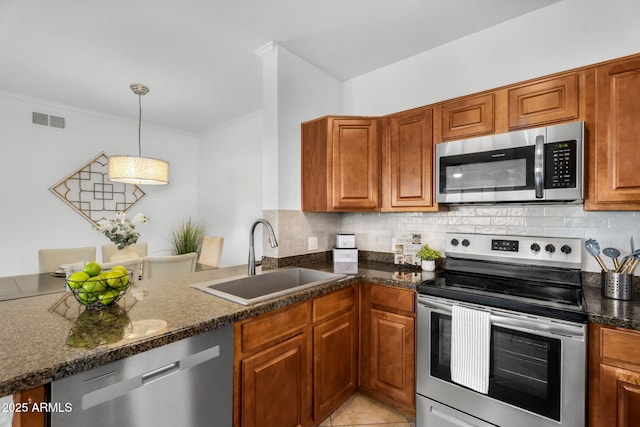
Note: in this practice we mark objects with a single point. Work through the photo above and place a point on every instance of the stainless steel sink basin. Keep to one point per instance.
(247, 290)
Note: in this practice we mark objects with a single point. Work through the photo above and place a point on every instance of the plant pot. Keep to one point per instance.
(123, 254)
(428, 265)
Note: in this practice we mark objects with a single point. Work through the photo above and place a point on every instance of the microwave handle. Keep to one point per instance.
(538, 167)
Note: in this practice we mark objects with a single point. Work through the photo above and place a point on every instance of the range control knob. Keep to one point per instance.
(454, 242)
(550, 248)
(535, 247)
(565, 249)
(465, 243)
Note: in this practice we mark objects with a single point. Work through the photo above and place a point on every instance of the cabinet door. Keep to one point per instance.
(467, 117)
(274, 385)
(335, 352)
(619, 396)
(30, 418)
(392, 355)
(355, 161)
(617, 148)
(408, 162)
(543, 102)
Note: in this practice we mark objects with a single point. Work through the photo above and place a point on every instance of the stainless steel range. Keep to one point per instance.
(502, 334)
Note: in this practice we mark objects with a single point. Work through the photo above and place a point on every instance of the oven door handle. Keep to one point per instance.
(514, 321)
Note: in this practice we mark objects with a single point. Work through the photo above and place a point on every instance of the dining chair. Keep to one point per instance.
(165, 266)
(211, 251)
(140, 248)
(50, 260)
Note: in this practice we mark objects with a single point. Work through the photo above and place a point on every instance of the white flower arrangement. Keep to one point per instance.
(121, 230)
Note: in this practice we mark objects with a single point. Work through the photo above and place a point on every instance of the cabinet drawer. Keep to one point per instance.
(271, 328)
(623, 346)
(393, 298)
(333, 303)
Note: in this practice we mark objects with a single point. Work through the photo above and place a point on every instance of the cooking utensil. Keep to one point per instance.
(612, 253)
(629, 262)
(593, 247)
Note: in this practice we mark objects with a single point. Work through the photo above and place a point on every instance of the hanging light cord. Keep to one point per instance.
(139, 124)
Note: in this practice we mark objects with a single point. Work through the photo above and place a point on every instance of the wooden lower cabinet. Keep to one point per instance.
(296, 365)
(274, 385)
(388, 345)
(30, 418)
(335, 364)
(614, 377)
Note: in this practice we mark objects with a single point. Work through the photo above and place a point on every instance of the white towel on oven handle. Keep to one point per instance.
(470, 348)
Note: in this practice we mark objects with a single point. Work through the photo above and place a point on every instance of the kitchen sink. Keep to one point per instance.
(247, 290)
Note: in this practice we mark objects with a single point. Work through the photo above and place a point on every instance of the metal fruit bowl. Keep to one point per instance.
(102, 290)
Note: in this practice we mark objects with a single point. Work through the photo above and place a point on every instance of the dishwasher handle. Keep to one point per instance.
(160, 373)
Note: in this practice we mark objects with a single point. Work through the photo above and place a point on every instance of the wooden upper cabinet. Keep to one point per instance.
(340, 164)
(407, 168)
(542, 102)
(614, 159)
(470, 116)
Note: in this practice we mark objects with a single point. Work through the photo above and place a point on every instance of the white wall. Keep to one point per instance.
(230, 184)
(564, 35)
(294, 91)
(33, 158)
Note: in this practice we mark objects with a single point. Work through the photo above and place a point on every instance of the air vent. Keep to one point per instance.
(43, 119)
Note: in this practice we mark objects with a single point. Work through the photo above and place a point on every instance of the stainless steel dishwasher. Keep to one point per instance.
(185, 383)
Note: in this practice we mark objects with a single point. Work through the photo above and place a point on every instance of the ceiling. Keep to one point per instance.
(197, 56)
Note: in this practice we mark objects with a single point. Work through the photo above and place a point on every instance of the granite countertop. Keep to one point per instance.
(35, 330)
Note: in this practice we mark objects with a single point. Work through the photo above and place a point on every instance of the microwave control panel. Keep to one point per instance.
(560, 164)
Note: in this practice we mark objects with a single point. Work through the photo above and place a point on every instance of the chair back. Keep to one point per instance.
(50, 260)
(165, 266)
(211, 251)
(139, 248)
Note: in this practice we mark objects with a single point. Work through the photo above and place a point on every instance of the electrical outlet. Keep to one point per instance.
(313, 243)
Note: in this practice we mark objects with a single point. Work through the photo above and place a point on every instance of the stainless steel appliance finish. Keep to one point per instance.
(532, 289)
(532, 165)
(247, 290)
(185, 383)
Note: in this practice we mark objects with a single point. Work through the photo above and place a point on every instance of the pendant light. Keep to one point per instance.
(137, 169)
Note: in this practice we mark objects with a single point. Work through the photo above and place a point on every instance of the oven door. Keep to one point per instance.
(537, 367)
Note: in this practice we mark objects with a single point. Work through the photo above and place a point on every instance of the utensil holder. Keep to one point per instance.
(617, 285)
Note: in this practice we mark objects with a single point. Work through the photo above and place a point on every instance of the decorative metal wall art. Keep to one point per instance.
(90, 193)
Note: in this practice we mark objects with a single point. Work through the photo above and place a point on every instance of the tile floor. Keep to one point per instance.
(363, 411)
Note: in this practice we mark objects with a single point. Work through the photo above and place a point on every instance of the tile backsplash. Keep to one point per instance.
(375, 231)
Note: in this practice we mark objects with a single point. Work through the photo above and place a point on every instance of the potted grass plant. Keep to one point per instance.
(187, 237)
(428, 257)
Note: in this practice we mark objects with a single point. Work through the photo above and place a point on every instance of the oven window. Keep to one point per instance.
(525, 368)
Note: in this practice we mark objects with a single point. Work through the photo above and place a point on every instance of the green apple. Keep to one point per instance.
(115, 279)
(86, 297)
(108, 296)
(92, 268)
(76, 280)
(94, 285)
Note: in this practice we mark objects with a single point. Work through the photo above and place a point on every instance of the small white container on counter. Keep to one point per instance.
(345, 261)
(346, 241)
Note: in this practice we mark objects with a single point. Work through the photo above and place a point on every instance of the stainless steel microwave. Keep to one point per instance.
(533, 165)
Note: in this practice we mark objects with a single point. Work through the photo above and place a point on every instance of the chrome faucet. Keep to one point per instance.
(252, 254)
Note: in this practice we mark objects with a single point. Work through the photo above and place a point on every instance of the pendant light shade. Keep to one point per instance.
(137, 169)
